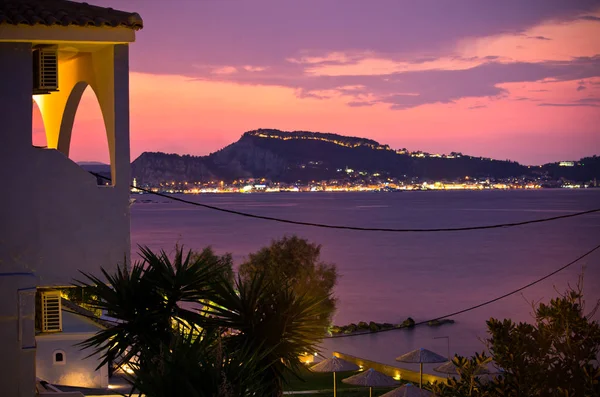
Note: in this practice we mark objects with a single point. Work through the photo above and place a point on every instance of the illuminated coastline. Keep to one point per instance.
(262, 186)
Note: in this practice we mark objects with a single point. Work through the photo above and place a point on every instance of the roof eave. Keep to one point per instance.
(55, 33)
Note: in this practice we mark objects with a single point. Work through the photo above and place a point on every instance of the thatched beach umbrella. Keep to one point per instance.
(421, 356)
(371, 379)
(408, 390)
(334, 364)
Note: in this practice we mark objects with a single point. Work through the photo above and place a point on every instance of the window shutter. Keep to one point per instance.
(45, 70)
(48, 311)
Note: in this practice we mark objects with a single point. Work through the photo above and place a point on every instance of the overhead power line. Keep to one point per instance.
(475, 306)
(358, 228)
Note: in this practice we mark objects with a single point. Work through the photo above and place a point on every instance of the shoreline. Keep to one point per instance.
(364, 328)
(210, 193)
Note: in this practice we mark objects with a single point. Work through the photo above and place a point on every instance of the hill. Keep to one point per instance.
(305, 156)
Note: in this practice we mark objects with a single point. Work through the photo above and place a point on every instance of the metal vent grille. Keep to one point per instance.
(45, 69)
(48, 316)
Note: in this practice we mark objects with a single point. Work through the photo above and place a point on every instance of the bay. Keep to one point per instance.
(387, 277)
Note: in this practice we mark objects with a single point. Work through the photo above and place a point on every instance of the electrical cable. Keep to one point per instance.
(400, 230)
(357, 228)
(475, 306)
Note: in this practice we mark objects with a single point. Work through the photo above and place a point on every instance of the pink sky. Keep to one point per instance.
(517, 80)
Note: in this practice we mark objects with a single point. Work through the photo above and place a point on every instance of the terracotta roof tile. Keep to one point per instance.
(65, 13)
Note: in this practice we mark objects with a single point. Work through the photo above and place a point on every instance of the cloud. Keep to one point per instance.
(267, 32)
(477, 107)
(251, 68)
(224, 70)
(539, 38)
(588, 100)
(580, 88)
(592, 105)
(589, 18)
(407, 89)
(359, 104)
(539, 90)
(300, 93)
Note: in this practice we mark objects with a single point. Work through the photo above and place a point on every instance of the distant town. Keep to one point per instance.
(360, 181)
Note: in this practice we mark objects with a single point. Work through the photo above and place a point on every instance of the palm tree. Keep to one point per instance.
(184, 328)
(273, 320)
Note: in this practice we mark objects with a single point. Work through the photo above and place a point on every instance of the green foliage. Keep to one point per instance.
(555, 356)
(82, 297)
(277, 321)
(295, 262)
(468, 383)
(373, 327)
(196, 365)
(185, 328)
(225, 261)
(361, 327)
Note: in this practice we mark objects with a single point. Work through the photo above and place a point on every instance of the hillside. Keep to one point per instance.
(305, 156)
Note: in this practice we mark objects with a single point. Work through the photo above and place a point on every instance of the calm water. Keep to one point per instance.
(386, 277)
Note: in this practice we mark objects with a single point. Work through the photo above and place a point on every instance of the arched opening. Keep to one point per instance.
(88, 145)
(38, 132)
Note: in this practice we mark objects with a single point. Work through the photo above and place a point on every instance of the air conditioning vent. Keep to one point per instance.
(45, 70)
(48, 316)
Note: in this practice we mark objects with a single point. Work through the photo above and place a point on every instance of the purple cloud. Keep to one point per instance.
(590, 18)
(588, 100)
(261, 39)
(402, 90)
(580, 88)
(570, 105)
(539, 38)
(266, 32)
(477, 107)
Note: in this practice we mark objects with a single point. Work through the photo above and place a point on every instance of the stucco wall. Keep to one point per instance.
(76, 370)
(55, 219)
(17, 345)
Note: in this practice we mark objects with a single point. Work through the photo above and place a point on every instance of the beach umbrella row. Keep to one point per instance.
(372, 378)
(369, 378)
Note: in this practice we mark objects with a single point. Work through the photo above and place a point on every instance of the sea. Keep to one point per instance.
(387, 277)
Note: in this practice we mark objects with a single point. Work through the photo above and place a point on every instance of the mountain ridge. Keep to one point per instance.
(303, 156)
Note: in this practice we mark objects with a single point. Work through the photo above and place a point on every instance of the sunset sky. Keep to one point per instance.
(506, 79)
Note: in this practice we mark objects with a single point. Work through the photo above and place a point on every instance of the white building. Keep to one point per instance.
(54, 219)
(59, 360)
